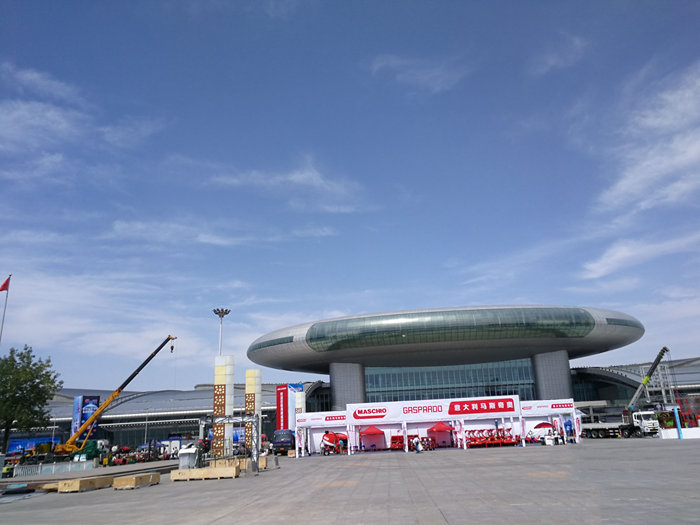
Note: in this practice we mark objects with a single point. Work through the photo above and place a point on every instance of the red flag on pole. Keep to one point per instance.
(6, 285)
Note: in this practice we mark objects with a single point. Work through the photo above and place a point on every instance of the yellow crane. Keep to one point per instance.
(71, 446)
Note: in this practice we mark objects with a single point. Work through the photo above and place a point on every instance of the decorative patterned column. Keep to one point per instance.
(223, 404)
(253, 398)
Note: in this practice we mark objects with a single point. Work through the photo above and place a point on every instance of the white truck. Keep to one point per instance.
(631, 423)
(642, 423)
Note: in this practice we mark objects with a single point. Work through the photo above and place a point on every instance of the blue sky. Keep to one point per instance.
(295, 161)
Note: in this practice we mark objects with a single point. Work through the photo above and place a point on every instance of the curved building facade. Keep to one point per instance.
(545, 336)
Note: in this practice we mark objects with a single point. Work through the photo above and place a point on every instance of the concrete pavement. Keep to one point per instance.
(598, 481)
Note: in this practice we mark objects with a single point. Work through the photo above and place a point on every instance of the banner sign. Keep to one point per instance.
(321, 419)
(282, 407)
(83, 408)
(549, 407)
(433, 410)
(24, 444)
(77, 410)
(296, 399)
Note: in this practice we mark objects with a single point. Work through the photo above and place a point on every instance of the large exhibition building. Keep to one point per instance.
(448, 352)
(403, 356)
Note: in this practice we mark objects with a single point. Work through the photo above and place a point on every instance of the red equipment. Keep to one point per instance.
(334, 443)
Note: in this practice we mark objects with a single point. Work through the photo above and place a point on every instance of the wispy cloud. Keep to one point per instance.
(315, 231)
(155, 233)
(37, 237)
(44, 166)
(564, 53)
(659, 155)
(46, 115)
(626, 253)
(280, 8)
(168, 233)
(28, 126)
(39, 84)
(498, 272)
(306, 188)
(675, 107)
(132, 131)
(624, 284)
(432, 76)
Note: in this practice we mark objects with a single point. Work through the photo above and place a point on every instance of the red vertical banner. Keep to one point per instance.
(282, 406)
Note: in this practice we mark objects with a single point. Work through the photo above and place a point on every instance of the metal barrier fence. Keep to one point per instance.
(52, 468)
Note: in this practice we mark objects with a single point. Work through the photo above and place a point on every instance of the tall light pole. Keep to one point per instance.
(221, 312)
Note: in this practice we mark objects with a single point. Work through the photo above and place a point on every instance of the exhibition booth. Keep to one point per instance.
(312, 426)
(441, 423)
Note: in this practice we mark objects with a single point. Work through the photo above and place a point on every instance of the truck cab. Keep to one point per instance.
(283, 441)
(646, 421)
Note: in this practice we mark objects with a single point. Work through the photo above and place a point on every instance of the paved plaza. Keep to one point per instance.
(597, 481)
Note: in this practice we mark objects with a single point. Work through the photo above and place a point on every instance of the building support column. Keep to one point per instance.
(347, 384)
(552, 375)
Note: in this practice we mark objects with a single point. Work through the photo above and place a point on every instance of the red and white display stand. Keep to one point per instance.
(416, 418)
(447, 422)
(310, 427)
(538, 414)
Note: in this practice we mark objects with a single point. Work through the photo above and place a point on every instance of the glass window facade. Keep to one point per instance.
(444, 382)
(271, 342)
(449, 326)
(624, 322)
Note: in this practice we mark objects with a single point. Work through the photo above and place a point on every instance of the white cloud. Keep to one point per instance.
(44, 166)
(315, 231)
(308, 176)
(155, 233)
(39, 84)
(217, 240)
(626, 253)
(563, 54)
(656, 174)
(161, 233)
(130, 132)
(280, 8)
(624, 284)
(29, 237)
(28, 126)
(426, 75)
(306, 189)
(675, 107)
(513, 265)
(152, 232)
(659, 157)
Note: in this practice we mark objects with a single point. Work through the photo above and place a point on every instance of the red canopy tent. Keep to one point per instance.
(372, 431)
(373, 438)
(438, 429)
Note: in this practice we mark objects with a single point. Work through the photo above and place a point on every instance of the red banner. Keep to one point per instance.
(482, 406)
(282, 406)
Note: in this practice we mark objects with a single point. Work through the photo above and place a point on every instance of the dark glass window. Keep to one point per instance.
(446, 382)
(449, 326)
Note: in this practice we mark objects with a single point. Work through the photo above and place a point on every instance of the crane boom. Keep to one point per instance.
(70, 446)
(646, 379)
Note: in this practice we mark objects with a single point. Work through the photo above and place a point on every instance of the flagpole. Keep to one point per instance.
(7, 294)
